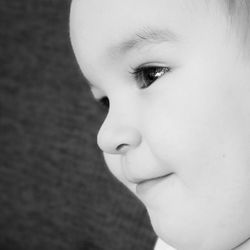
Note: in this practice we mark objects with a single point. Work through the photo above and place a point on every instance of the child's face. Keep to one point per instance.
(186, 112)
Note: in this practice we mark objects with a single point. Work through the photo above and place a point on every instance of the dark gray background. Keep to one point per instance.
(55, 192)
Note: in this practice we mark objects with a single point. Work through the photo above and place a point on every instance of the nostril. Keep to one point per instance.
(121, 146)
(117, 139)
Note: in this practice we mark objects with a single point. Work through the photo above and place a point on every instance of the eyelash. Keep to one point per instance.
(104, 103)
(139, 76)
(144, 75)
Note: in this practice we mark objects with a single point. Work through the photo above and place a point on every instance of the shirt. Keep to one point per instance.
(161, 245)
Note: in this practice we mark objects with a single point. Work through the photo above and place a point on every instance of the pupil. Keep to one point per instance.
(152, 74)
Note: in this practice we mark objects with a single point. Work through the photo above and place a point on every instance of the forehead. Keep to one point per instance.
(96, 26)
(112, 20)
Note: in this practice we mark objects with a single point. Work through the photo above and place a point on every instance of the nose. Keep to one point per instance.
(117, 138)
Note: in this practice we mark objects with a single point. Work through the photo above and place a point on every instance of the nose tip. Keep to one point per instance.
(118, 140)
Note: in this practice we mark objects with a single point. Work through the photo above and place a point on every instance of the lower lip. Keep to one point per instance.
(144, 187)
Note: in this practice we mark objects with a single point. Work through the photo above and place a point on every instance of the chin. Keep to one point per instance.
(188, 237)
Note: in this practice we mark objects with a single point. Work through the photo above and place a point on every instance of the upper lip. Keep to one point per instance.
(139, 179)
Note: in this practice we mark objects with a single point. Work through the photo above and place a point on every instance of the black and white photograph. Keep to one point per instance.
(125, 125)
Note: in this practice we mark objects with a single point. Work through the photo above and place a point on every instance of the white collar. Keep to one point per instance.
(161, 245)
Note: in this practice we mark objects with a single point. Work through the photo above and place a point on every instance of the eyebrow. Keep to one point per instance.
(144, 37)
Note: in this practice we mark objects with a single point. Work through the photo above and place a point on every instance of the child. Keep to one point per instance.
(175, 78)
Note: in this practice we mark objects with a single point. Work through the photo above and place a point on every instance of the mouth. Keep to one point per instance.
(145, 186)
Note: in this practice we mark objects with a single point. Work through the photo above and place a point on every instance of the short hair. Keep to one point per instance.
(238, 14)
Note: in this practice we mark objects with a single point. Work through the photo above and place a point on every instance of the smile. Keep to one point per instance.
(145, 186)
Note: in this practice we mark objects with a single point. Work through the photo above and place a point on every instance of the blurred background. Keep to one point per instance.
(55, 191)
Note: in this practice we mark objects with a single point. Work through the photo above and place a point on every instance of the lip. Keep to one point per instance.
(143, 187)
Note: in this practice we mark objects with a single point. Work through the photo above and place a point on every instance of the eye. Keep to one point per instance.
(146, 75)
(104, 103)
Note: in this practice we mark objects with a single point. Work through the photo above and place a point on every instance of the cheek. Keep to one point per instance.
(209, 156)
(181, 120)
(196, 128)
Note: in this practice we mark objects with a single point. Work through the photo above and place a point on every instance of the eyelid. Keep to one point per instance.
(148, 65)
(136, 70)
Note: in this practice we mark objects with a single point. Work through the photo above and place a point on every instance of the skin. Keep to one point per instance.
(193, 121)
